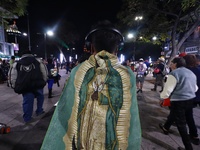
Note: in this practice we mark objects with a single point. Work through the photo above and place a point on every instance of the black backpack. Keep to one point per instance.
(29, 75)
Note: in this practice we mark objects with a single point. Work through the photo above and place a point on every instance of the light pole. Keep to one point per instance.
(48, 33)
(29, 38)
(132, 36)
(27, 35)
(138, 18)
(135, 35)
(45, 47)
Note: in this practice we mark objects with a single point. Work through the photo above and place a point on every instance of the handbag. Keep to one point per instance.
(156, 70)
(166, 102)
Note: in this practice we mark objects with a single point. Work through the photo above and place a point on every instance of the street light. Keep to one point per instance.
(138, 18)
(132, 36)
(25, 34)
(135, 35)
(48, 33)
(154, 38)
(29, 37)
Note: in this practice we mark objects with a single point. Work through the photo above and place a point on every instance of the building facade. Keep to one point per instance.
(6, 49)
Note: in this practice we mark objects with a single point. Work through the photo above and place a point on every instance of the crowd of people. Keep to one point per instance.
(180, 82)
(143, 67)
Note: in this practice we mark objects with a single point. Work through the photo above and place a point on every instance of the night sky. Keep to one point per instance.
(46, 14)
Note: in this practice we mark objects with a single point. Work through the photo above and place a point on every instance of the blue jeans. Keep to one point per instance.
(50, 83)
(28, 102)
(67, 69)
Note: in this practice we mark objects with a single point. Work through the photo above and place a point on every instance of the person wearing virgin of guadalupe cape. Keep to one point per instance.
(98, 107)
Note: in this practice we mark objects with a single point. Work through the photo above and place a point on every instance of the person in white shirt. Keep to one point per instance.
(180, 87)
(140, 67)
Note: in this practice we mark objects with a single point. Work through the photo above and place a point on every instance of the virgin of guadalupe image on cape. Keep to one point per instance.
(98, 108)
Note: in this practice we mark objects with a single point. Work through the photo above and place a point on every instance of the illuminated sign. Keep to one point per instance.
(193, 49)
(16, 46)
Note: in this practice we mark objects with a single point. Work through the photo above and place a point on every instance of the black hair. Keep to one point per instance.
(12, 57)
(190, 60)
(197, 57)
(106, 37)
(180, 62)
(49, 60)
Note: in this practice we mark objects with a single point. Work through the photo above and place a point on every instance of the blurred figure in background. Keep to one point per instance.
(67, 66)
(12, 60)
(3, 77)
(5, 68)
(158, 74)
(196, 71)
(51, 74)
(140, 68)
(191, 64)
(148, 67)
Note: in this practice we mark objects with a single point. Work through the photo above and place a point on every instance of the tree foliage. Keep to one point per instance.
(12, 9)
(68, 33)
(17, 7)
(173, 20)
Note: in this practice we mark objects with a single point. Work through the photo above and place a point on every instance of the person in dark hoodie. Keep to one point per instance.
(196, 71)
(28, 77)
(192, 64)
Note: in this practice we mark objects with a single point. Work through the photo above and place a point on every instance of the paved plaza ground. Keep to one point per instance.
(30, 137)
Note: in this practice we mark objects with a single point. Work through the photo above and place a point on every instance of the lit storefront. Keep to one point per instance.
(6, 49)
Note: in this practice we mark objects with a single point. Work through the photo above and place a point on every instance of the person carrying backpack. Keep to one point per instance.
(140, 69)
(28, 77)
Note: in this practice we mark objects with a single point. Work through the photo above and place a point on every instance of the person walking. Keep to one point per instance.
(3, 77)
(180, 87)
(5, 68)
(52, 73)
(12, 60)
(28, 77)
(158, 74)
(140, 69)
(191, 63)
(67, 67)
(98, 108)
(196, 71)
